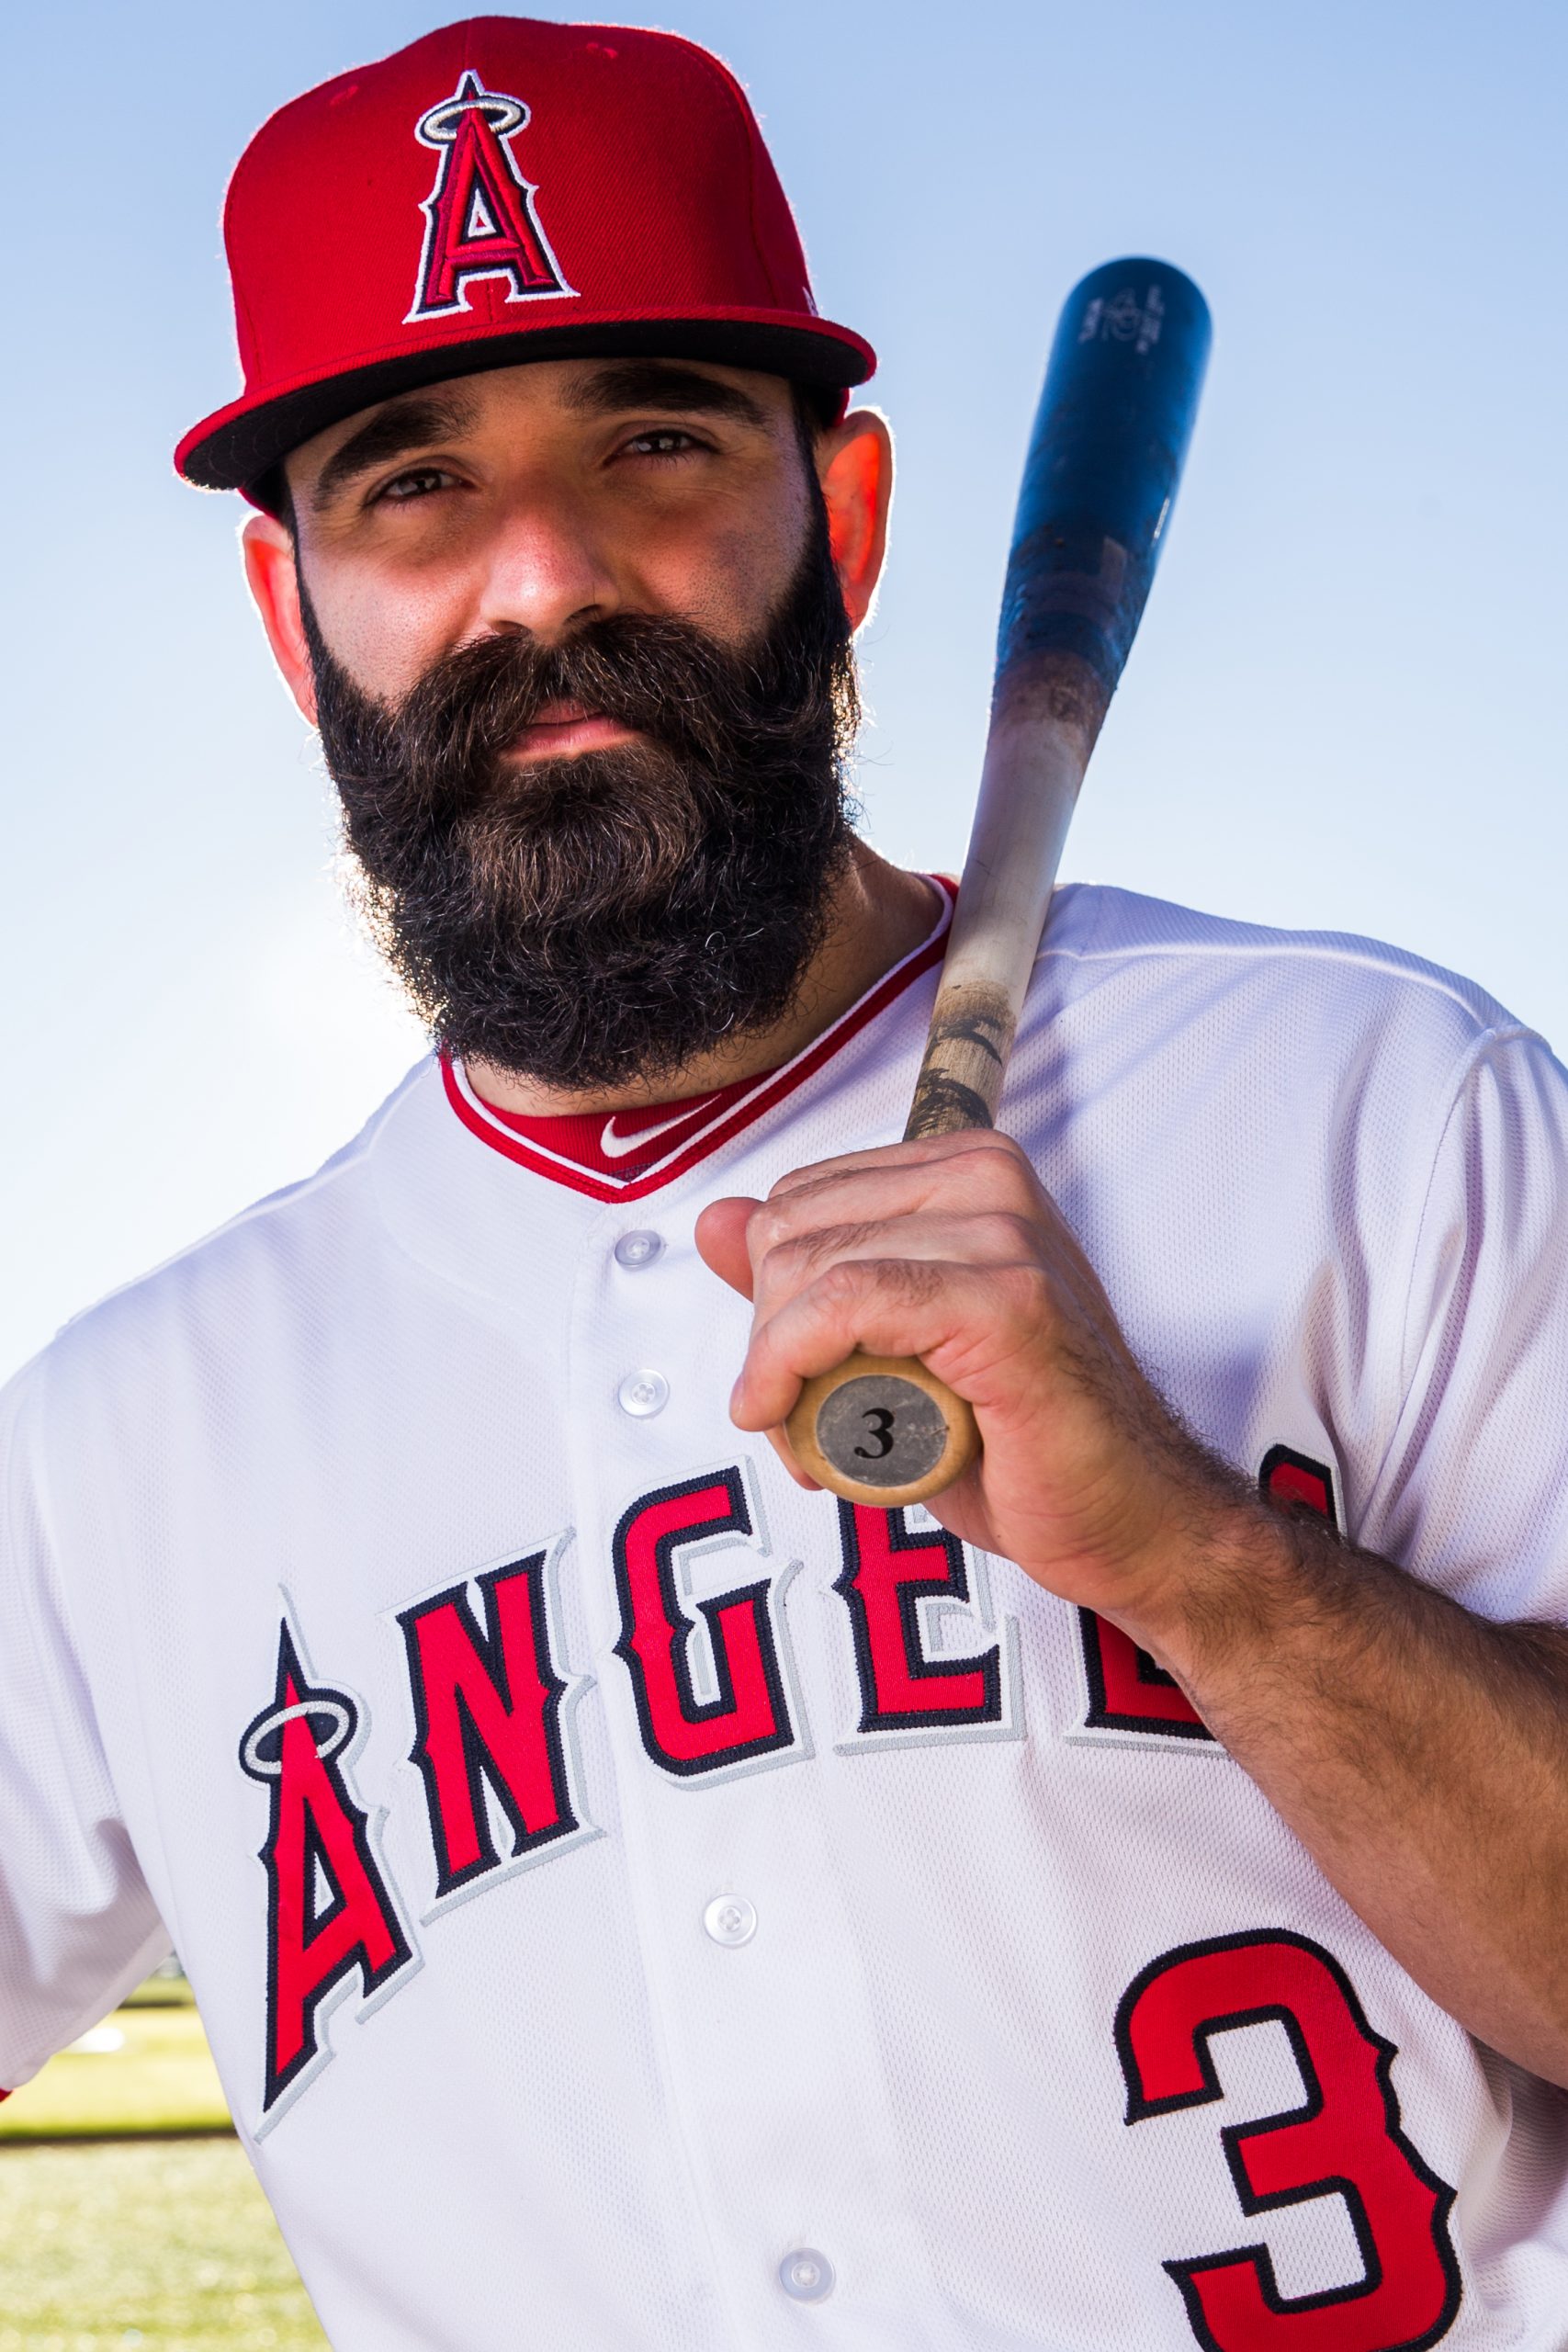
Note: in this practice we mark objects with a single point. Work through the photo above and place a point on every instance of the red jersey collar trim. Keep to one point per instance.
(728, 1122)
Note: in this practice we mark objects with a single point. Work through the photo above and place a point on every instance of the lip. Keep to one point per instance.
(564, 729)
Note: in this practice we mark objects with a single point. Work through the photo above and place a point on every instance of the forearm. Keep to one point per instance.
(1419, 1752)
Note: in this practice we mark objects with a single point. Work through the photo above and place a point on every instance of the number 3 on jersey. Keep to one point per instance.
(1344, 2139)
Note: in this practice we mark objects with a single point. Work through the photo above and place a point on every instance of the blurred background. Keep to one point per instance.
(1344, 712)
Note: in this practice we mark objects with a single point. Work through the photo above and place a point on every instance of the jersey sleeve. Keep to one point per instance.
(1472, 1492)
(78, 1926)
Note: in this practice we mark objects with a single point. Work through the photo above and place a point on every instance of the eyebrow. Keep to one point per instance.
(656, 384)
(408, 423)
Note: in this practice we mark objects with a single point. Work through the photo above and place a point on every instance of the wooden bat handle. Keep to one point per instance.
(883, 1430)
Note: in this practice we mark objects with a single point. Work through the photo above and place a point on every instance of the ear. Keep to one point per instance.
(854, 465)
(272, 570)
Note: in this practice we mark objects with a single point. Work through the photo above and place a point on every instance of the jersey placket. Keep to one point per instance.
(778, 2116)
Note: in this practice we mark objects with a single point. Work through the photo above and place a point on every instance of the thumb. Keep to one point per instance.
(721, 1242)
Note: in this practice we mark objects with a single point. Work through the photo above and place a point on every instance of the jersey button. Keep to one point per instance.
(805, 2275)
(635, 1250)
(643, 1393)
(730, 1919)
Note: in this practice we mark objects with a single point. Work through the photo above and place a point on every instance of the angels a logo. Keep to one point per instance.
(479, 219)
(331, 1917)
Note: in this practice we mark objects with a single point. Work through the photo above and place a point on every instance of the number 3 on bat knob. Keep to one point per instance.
(883, 1430)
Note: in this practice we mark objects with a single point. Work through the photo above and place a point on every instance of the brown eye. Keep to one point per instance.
(416, 483)
(666, 443)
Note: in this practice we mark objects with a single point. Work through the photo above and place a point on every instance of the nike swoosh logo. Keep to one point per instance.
(614, 1146)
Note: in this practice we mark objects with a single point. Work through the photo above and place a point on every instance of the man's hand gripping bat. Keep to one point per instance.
(1105, 457)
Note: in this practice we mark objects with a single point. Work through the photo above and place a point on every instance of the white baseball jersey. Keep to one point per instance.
(637, 1904)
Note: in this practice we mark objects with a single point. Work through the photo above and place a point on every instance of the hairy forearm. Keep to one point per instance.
(1420, 1753)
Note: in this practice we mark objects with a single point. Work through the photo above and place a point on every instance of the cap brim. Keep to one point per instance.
(239, 445)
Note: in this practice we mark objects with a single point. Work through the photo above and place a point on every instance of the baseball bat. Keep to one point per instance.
(1104, 460)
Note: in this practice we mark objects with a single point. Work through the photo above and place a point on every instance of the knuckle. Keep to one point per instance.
(1025, 1289)
(768, 1228)
(996, 1164)
(1011, 1236)
(846, 1279)
(991, 1144)
(794, 1203)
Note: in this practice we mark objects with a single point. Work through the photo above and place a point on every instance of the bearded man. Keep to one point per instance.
(634, 1901)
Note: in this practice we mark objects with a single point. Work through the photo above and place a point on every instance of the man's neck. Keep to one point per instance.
(878, 915)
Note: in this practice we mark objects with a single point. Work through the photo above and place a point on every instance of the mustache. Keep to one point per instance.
(703, 703)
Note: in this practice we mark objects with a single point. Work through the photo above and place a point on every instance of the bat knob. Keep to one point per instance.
(884, 1431)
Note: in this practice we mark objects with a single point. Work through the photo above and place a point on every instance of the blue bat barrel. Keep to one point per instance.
(1109, 436)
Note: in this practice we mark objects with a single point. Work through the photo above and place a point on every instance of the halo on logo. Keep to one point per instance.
(441, 125)
(340, 1718)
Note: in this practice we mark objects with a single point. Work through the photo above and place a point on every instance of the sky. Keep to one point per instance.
(1345, 710)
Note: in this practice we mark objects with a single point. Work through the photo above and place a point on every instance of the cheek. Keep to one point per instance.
(728, 572)
(387, 634)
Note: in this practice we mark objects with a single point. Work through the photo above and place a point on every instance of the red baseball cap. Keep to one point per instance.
(505, 188)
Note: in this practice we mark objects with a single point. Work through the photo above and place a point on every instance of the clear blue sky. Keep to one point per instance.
(1346, 709)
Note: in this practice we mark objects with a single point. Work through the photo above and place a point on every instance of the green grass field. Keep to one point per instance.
(164, 2244)
(147, 2068)
(163, 2240)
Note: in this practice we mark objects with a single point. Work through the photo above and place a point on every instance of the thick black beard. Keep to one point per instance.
(587, 921)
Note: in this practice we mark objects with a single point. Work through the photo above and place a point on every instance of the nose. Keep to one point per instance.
(545, 571)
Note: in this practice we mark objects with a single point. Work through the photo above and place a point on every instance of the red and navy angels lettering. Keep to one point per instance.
(888, 1571)
(487, 1705)
(329, 1915)
(746, 1715)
